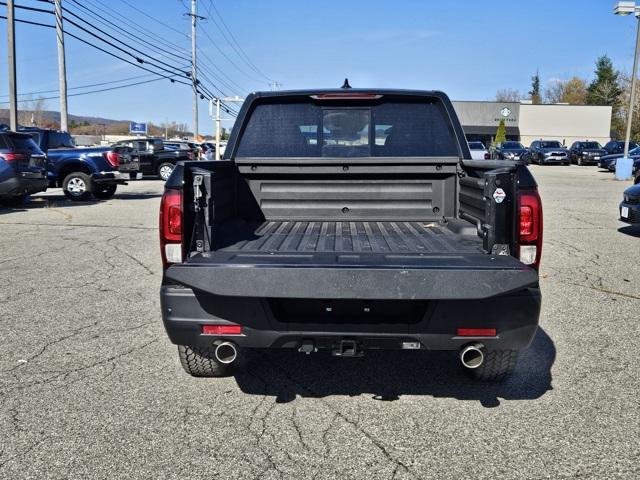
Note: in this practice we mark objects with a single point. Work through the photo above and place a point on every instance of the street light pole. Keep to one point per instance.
(624, 165)
(11, 64)
(633, 91)
(218, 129)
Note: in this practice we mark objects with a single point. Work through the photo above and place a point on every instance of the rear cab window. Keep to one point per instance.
(302, 127)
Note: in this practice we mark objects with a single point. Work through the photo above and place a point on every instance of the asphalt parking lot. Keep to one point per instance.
(91, 387)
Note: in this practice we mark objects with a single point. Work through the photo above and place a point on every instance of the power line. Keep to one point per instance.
(124, 20)
(234, 43)
(228, 58)
(94, 91)
(79, 87)
(132, 36)
(153, 18)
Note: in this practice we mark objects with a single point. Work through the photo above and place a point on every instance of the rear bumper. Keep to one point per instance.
(108, 178)
(23, 184)
(514, 316)
(632, 211)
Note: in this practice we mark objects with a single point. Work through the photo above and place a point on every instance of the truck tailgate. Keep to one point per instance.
(346, 275)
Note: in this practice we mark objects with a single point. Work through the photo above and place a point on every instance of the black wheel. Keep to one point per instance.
(77, 186)
(201, 362)
(104, 192)
(165, 170)
(497, 365)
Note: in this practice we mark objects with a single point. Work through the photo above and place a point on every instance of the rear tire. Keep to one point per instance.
(497, 366)
(77, 186)
(104, 192)
(201, 362)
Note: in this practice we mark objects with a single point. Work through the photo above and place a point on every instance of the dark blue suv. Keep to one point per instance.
(23, 167)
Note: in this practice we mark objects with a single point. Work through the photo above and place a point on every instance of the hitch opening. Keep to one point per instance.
(347, 348)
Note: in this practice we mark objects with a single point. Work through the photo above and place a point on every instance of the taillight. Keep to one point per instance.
(171, 227)
(487, 156)
(530, 228)
(113, 158)
(190, 155)
(11, 157)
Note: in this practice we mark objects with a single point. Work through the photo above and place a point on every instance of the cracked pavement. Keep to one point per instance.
(90, 387)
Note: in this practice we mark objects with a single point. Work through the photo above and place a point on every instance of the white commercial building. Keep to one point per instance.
(526, 122)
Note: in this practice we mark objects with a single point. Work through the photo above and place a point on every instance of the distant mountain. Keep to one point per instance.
(54, 116)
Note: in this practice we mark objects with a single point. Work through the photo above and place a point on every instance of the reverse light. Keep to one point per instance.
(476, 332)
(221, 329)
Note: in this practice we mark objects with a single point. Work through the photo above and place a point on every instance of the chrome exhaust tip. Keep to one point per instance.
(472, 355)
(226, 352)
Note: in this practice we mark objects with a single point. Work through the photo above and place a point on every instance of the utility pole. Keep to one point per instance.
(62, 69)
(11, 48)
(194, 78)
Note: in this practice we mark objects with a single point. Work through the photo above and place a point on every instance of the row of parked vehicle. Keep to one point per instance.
(34, 159)
(547, 152)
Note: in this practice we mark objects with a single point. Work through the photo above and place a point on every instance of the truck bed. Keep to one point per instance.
(348, 237)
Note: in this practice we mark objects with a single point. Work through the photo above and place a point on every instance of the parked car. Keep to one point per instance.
(508, 150)
(183, 145)
(545, 152)
(617, 146)
(608, 162)
(154, 158)
(479, 151)
(83, 172)
(23, 167)
(345, 244)
(586, 153)
(630, 205)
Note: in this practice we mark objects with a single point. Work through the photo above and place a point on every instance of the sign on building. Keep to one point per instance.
(138, 128)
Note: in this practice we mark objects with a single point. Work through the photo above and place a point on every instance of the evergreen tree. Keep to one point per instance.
(605, 88)
(501, 134)
(535, 89)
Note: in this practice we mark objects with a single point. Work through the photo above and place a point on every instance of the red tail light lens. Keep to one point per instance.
(171, 227)
(487, 156)
(11, 157)
(112, 158)
(530, 228)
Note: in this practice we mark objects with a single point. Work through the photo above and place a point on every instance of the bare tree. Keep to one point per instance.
(32, 112)
(554, 92)
(508, 95)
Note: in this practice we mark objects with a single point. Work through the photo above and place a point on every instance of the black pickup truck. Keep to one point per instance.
(155, 159)
(350, 220)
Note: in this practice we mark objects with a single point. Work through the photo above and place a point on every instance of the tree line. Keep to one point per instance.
(609, 86)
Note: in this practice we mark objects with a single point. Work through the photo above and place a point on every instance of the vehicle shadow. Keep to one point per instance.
(389, 375)
(631, 230)
(61, 201)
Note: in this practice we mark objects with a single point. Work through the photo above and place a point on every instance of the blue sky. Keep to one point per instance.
(468, 48)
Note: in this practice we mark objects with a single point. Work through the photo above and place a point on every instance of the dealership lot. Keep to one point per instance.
(91, 386)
